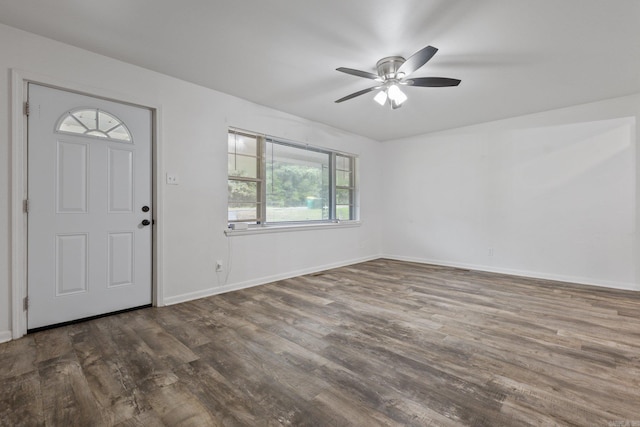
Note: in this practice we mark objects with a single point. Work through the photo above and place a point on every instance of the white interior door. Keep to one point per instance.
(89, 216)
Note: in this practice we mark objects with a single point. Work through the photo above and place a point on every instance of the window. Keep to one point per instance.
(271, 181)
(245, 177)
(93, 122)
(345, 187)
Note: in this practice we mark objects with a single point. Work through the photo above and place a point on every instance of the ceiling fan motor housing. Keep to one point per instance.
(388, 67)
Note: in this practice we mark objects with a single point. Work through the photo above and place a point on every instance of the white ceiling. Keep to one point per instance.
(513, 56)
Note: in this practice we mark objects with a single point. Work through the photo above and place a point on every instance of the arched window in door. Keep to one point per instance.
(93, 122)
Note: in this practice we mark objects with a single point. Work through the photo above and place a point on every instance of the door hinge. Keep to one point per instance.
(26, 108)
(26, 206)
(25, 303)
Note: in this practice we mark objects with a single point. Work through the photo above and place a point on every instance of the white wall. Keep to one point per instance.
(551, 195)
(194, 121)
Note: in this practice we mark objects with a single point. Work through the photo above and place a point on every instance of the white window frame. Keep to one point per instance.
(259, 180)
(260, 224)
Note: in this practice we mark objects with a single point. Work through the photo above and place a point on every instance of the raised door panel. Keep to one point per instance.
(72, 173)
(72, 268)
(120, 180)
(121, 259)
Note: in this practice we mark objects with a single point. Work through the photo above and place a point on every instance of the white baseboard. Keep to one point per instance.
(5, 336)
(629, 286)
(260, 281)
(491, 269)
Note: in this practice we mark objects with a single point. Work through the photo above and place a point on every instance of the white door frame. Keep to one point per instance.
(19, 81)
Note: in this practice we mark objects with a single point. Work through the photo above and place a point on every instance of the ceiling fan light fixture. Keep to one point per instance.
(381, 97)
(396, 95)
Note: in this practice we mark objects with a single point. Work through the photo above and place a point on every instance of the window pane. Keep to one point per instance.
(243, 212)
(343, 178)
(343, 196)
(242, 192)
(294, 214)
(342, 163)
(97, 133)
(243, 144)
(106, 121)
(71, 125)
(246, 167)
(88, 118)
(297, 184)
(343, 212)
(120, 133)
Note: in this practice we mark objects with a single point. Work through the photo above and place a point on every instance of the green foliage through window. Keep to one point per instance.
(272, 181)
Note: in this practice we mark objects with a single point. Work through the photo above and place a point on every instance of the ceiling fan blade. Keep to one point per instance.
(432, 82)
(417, 60)
(359, 73)
(360, 92)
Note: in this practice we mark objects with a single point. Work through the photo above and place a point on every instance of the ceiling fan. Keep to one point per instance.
(393, 73)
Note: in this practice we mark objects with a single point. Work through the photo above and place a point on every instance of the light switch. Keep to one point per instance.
(172, 179)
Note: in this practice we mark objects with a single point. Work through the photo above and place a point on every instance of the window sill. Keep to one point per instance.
(265, 229)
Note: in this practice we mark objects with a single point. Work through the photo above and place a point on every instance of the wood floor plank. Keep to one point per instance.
(21, 401)
(66, 395)
(380, 343)
(220, 396)
(106, 376)
(17, 357)
(175, 405)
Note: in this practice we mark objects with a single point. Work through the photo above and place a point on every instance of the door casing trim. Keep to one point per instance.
(18, 239)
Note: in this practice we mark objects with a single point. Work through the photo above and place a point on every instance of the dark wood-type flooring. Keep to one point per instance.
(382, 343)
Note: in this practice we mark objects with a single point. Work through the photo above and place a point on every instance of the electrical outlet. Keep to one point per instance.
(490, 251)
(219, 265)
